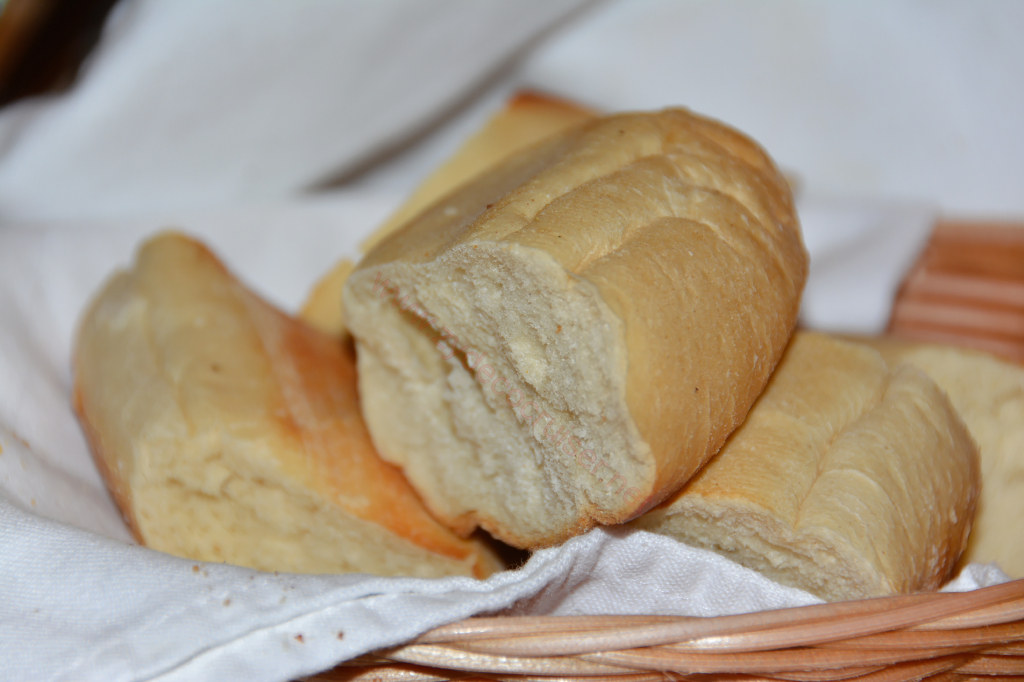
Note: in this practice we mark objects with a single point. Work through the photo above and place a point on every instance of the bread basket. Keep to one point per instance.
(966, 288)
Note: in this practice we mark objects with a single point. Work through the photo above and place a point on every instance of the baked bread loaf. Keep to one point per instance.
(988, 393)
(848, 479)
(527, 118)
(565, 340)
(228, 431)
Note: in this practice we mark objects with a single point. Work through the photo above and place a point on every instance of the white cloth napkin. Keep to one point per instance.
(215, 118)
(188, 103)
(111, 611)
(78, 601)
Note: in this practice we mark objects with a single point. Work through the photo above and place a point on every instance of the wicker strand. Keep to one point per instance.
(916, 639)
(767, 630)
(759, 662)
(912, 637)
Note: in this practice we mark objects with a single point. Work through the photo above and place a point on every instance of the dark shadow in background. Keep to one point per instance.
(44, 42)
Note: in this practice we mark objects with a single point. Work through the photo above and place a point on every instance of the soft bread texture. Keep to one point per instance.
(848, 479)
(526, 119)
(988, 393)
(228, 431)
(565, 340)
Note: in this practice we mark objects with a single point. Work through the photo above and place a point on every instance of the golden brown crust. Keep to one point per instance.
(190, 387)
(849, 478)
(118, 487)
(988, 393)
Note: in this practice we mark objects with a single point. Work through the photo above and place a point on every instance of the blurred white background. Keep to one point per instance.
(192, 105)
(913, 100)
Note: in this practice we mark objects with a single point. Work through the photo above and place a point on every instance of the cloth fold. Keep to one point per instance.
(192, 105)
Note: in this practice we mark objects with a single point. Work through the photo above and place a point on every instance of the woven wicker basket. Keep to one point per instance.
(940, 636)
(954, 636)
(967, 288)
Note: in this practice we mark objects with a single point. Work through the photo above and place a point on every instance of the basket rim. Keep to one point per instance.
(913, 636)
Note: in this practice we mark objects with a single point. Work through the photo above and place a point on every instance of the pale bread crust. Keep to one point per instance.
(988, 393)
(636, 278)
(849, 478)
(228, 431)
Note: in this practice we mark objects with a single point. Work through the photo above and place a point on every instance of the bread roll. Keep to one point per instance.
(988, 393)
(527, 118)
(848, 479)
(565, 340)
(228, 431)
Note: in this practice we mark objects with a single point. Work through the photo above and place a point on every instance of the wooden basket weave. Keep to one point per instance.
(954, 636)
(967, 288)
(975, 635)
